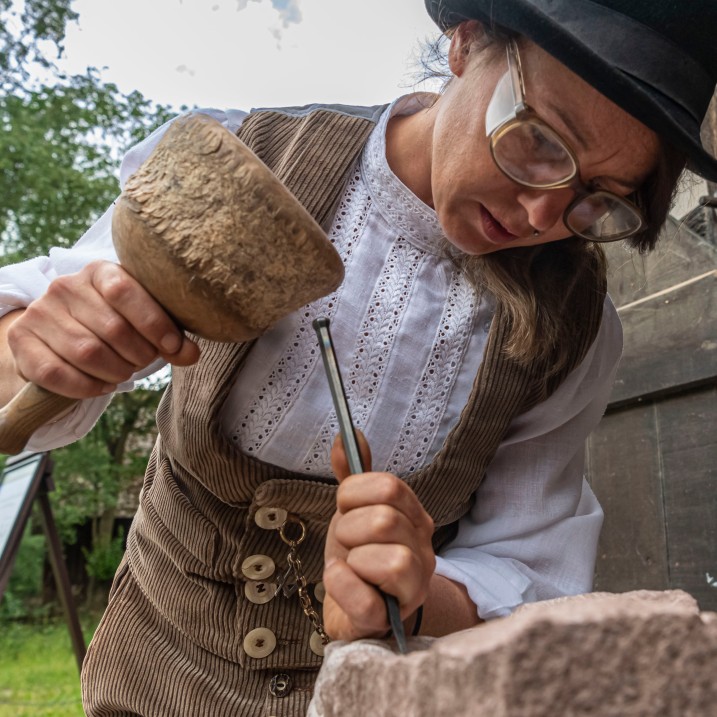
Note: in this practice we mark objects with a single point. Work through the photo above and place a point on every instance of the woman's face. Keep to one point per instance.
(479, 208)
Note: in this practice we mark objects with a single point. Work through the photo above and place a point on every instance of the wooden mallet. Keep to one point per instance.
(215, 238)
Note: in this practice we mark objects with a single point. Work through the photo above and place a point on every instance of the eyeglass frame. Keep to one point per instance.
(523, 112)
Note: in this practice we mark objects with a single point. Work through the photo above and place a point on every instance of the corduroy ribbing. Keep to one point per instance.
(153, 671)
(287, 143)
(179, 611)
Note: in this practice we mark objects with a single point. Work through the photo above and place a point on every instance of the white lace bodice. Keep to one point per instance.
(402, 321)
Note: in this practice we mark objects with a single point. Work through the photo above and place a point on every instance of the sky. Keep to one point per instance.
(258, 53)
(251, 53)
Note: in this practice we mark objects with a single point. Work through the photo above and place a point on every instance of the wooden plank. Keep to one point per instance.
(688, 440)
(670, 342)
(624, 472)
(59, 570)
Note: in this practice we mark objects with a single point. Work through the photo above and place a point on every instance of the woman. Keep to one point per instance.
(479, 349)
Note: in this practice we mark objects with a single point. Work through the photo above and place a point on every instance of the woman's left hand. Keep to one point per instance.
(379, 537)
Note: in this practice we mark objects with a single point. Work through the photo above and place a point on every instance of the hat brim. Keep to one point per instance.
(654, 109)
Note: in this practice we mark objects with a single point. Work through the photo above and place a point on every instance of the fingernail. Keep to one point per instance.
(170, 343)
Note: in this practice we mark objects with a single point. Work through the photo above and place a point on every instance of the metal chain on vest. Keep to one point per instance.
(295, 564)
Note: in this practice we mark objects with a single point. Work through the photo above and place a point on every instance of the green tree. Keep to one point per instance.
(31, 35)
(60, 142)
(59, 149)
(92, 474)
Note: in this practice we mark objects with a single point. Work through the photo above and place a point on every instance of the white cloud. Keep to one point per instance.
(288, 10)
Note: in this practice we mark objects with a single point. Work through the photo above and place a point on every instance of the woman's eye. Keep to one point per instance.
(543, 146)
(538, 139)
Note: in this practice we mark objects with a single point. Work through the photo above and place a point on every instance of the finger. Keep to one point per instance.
(89, 332)
(37, 363)
(339, 462)
(376, 524)
(382, 489)
(76, 323)
(145, 315)
(187, 355)
(50, 346)
(395, 569)
(362, 608)
(129, 320)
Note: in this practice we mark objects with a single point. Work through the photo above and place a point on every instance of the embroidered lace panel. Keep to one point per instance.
(423, 419)
(373, 348)
(287, 378)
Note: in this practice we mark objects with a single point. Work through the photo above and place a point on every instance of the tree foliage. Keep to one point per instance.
(93, 474)
(60, 141)
(31, 34)
(61, 138)
(59, 148)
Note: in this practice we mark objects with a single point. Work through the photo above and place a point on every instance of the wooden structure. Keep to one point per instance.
(653, 460)
(24, 479)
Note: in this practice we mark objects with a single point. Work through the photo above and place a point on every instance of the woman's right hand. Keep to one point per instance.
(92, 330)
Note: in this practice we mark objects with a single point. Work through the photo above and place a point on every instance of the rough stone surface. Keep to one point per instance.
(646, 654)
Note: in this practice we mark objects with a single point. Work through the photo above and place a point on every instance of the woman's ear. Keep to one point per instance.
(462, 41)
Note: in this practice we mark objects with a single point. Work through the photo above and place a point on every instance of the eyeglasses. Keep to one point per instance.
(530, 152)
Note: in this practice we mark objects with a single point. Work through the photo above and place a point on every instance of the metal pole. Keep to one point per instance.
(59, 568)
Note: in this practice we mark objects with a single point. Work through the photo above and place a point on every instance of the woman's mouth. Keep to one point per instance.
(493, 229)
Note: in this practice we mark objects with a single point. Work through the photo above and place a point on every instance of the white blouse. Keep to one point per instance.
(410, 333)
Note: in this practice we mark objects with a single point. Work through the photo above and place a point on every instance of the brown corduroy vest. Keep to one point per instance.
(196, 522)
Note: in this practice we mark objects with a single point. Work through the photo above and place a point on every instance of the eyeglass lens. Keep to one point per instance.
(531, 154)
(602, 217)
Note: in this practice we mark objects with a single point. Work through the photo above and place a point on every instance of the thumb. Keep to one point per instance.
(339, 462)
(186, 355)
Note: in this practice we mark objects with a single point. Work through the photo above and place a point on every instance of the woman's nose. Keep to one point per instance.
(545, 207)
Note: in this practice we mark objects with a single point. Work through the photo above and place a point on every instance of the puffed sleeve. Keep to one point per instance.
(22, 283)
(533, 531)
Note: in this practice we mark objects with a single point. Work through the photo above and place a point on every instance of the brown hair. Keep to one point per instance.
(536, 284)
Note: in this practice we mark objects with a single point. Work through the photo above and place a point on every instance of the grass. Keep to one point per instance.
(38, 670)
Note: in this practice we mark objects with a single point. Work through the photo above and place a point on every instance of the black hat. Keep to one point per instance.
(657, 59)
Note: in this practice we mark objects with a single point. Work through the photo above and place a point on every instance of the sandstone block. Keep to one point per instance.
(638, 654)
